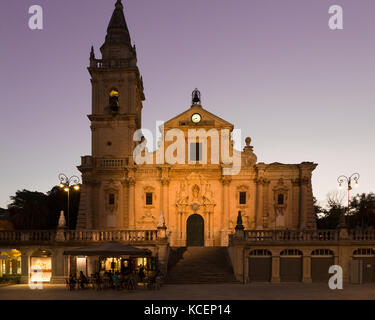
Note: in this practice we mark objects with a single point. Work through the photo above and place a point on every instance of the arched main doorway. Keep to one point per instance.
(195, 231)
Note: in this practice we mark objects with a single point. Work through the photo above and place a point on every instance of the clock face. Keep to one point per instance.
(196, 117)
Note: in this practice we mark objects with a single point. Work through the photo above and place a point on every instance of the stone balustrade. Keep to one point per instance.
(77, 236)
(306, 235)
(103, 163)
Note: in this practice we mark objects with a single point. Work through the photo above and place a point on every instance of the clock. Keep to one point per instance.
(196, 117)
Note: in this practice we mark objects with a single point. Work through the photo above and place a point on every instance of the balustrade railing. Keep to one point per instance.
(131, 236)
(78, 236)
(308, 235)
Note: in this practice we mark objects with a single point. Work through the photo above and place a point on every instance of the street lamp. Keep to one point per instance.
(65, 184)
(344, 179)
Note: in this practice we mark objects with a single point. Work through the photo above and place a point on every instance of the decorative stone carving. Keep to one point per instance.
(62, 222)
(111, 189)
(249, 158)
(280, 195)
(161, 223)
(147, 221)
(196, 193)
(242, 188)
(149, 189)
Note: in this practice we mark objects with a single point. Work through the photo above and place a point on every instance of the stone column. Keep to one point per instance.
(59, 266)
(306, 269)
(259, 206)
(25, 262)
(92, 265)
(226, 210)
(163, 248)
(165, 199)
(303, 203)
(307, 218)
(275, 269)
(295, 203)
(132, 224)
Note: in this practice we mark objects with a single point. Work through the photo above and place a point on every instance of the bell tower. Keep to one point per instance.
(117, 95)
(117, 91)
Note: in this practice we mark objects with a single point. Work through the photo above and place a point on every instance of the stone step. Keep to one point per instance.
(201, 265)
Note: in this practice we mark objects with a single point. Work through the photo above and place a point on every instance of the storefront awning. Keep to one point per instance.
(112, 249)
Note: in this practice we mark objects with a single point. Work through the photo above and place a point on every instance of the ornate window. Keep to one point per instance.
(242, 197)
(148, 198)
(111, 198)
(195, 151)
(114, 100)
(280, 199)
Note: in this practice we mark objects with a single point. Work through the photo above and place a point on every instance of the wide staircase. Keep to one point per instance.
(199, 265)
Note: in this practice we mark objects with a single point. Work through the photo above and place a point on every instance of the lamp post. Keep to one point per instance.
(66, 183)
(344, 179)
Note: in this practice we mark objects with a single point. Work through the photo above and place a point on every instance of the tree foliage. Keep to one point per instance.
(361, 212)
(37, 210)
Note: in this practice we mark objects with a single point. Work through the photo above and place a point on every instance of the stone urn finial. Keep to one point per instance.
(161, 223)
(239, 225)
(62, 221)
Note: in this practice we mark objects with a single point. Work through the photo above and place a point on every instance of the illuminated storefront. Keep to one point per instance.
(41, 266)
(113, 257)
(10, 262)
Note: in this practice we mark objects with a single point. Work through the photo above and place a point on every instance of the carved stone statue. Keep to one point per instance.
(62, 221)
(161, 223)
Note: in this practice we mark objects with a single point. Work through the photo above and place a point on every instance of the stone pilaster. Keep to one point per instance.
(164, 179)
(295, 203)
(25, 264)
(307, 216)
(259, 204)
(226, 180)
(306, 269)
(59, 266)
(131, 185)
(275, 269)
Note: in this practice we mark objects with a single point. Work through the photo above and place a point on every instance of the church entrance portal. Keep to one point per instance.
(195, 231)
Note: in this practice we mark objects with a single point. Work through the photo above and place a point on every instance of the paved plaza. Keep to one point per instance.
(197, 292)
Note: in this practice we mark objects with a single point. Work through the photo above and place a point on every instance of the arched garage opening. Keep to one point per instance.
(291, 265)
(260, 265)
(321, 261)
(364, 265)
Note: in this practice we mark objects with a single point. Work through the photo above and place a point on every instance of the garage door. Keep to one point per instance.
(321, 261)
(260, 266)
(367, 256)
(290, 265)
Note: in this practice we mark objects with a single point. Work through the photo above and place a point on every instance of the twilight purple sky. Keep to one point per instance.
(274, 69)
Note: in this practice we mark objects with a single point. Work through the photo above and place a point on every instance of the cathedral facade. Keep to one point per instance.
(193, 195)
